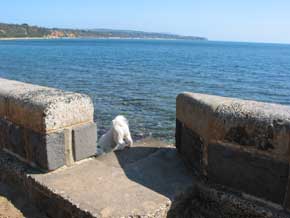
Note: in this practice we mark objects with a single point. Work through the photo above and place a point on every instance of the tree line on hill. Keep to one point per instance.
(28, 31)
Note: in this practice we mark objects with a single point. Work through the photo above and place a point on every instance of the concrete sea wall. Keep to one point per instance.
(45, 127)
(238, 144)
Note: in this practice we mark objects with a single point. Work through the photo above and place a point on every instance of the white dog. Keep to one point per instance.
(118, 137)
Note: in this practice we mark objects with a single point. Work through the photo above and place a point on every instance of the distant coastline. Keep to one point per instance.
(28, 38)
(45, 38)
(25, 31)
(20, 38)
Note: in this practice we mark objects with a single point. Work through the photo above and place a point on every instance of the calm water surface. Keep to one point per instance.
(141, 78)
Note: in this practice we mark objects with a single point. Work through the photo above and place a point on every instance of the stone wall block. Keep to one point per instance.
(248, 172)
(245, 145)
(36, 148)
(178, 135)
(249, 123)
(55, 149)
(46, 150)
(34, 121)
(3, 133)
(191, 148)
(42, 108)
(84, 138)
(15, 140)
(3, 106)
(287, 195)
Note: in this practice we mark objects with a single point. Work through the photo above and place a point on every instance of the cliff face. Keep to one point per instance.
(25, 30)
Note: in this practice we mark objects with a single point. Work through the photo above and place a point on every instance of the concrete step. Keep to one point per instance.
(142, 180)
(147, 180)
(138, 182)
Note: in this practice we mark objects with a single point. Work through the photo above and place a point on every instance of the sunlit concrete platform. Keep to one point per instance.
(138, 182)
(142, 180)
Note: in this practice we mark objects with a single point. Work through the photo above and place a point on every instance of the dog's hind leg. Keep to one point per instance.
(118, 138)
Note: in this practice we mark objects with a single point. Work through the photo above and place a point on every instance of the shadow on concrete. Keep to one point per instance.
(157, 168)
(16, 204)
(11, 190)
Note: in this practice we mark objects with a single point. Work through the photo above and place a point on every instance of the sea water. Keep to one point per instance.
(140, 79)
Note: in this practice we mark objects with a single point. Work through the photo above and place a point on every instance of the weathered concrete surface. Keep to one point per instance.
(244, 122)
(43, 109)
(148, 180)
(259, 132)
(204, 201)
(253, 173)
(140, 181)
(44, 126)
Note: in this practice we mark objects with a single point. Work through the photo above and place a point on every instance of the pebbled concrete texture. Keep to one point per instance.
(43, 109)
(240, 144)
(250, 123)
(207, 201)
(37, 124)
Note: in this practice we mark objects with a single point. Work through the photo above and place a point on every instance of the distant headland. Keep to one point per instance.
(25, 31)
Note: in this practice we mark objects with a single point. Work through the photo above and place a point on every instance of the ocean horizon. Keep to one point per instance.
(141, 78)
(142, 39)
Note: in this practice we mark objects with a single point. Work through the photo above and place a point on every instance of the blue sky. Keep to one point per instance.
(229, 20)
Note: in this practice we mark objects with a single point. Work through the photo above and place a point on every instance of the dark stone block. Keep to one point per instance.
(287, 195)
(12, 137)
(15, 140)
(178, 131)
(3, 133)
(189, 145)
(55, 149)
(46, 150)
(36, 148)
(84, 141)
(251, 173)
